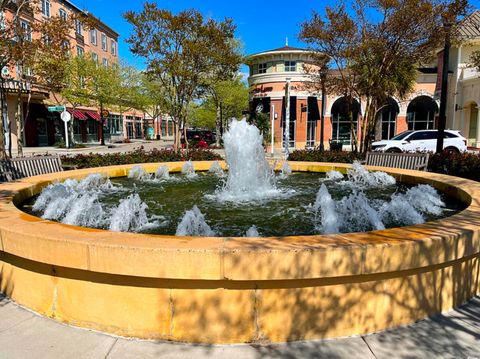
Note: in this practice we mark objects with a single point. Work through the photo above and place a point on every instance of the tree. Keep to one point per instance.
(376, 48)
(225, 100)
(89, 83)
(182, 52)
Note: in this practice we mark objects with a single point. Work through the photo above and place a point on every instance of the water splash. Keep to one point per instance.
(130, 215)
(249, 175)
(193, 224)
(334, 175)
(188, 169)
(286, 170)
(326, 206)
(138, 173)
(216, 169)
(358, 175)
(252, 232)
(356, 214)
(162, 173)
(77, 203)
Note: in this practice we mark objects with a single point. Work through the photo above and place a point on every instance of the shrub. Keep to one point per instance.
(138, 156)
(325, 156)
(466, 165)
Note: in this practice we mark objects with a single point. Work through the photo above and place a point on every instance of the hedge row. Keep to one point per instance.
(325, 156)
(465, 165)
(138, 156)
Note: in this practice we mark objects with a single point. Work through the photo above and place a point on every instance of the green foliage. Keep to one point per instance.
(138, 156)
(325, 156)
(262, 122)
(475, 59)
(183, 53)
(465, 165)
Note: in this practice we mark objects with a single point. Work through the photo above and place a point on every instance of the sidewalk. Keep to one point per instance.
(455, 334)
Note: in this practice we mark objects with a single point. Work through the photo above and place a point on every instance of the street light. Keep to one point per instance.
(442, 118)
(323, 76)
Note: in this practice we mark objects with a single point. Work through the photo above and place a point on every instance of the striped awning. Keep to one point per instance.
(93, 115)
(78, 114)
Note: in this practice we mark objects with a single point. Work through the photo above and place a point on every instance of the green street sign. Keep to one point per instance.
(56, 108)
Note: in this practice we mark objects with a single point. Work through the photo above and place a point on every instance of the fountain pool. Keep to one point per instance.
(196, 285)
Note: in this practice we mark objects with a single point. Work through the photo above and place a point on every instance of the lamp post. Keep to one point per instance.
(442, 119)
(323, 76)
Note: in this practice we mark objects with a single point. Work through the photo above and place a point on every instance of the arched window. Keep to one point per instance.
(388, 114)
(421, 113)
(344, 115)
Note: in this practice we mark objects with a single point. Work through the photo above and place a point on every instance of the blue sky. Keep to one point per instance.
(261, 25)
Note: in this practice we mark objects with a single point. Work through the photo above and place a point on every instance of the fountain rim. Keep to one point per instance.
(214, 258)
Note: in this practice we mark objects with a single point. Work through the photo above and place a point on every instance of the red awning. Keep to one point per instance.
(93, 115)
(78, 114)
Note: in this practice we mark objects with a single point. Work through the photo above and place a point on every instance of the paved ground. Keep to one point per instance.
(455, 334)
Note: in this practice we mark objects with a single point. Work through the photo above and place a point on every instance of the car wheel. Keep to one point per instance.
(393, 150)
(452, 150)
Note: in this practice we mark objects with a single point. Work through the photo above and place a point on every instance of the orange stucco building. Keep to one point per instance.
(272, 70)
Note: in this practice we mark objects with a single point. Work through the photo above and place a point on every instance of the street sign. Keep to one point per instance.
(105, 113)
(56, 108)
(65, 116)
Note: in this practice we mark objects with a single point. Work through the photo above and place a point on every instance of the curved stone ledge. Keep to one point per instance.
(239, 289)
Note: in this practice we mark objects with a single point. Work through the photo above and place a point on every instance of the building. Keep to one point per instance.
(44, 128)
(271, 71)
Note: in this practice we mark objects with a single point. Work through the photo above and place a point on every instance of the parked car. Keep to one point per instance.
(422, 140)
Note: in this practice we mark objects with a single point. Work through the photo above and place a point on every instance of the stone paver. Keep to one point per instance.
(456, 334)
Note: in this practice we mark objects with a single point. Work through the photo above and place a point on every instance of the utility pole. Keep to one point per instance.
(286, 135)
(323, 76)
(442, 118)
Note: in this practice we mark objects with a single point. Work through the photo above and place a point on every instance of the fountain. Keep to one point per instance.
(249, 175)
(307, 257)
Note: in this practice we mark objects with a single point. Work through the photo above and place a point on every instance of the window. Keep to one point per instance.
(62, 14)
(78, 27)
(27, 30)
(105, 62)
(93, 37)
(95, 57)
(114, 48)
(290, 66)
(262, 68)
(115, 124)
(46, 8)
(104, 42)
(46, 40)
(80, 51)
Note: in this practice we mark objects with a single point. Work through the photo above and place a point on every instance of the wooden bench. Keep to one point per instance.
(16, 168)
(409, 161)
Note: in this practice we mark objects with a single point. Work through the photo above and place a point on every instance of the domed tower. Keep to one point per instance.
(271, 73)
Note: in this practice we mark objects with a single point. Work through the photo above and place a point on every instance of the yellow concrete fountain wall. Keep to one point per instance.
(224, 290)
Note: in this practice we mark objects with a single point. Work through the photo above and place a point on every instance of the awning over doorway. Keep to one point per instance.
(78, 114)
(93, 115)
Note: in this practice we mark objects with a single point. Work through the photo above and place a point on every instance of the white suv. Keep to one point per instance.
(422, 140)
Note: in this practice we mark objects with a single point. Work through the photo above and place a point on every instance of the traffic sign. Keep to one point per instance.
(56, 108)
(65, 116)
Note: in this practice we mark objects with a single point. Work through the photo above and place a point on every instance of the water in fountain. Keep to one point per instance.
(216, 169)
(334, 175)
(193, 224)
(252, 232)
(77, 203)
(286, 170)
(355, 213)
(130, 215)
(249, 175)
(138, 173)
(359, 176)
(326, 206)
(162, 173)
(188, 169)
